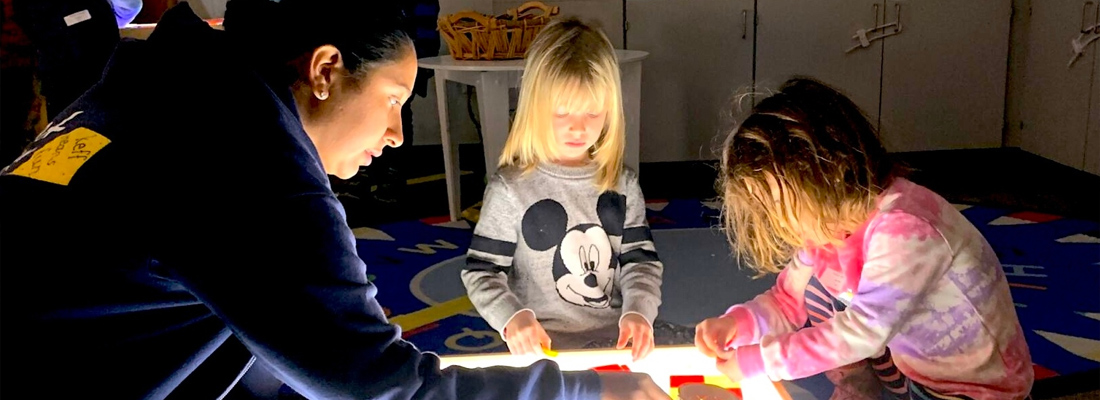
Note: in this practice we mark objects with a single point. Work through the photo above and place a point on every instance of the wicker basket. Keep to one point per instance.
(474, 36)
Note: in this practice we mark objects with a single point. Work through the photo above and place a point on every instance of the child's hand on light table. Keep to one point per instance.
(525, 335)
(729, 367)
(713, 336)
(635, 329)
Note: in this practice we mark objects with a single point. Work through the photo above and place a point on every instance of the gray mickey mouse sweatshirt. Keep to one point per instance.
(550, 242)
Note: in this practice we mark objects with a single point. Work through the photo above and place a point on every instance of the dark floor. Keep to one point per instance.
(1006, 178)
(1009, 178)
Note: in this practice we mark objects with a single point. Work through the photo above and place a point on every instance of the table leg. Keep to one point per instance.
(492, 98)
(632, 107)
(450, 149)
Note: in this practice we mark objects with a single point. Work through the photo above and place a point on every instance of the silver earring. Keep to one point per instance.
(322, 96)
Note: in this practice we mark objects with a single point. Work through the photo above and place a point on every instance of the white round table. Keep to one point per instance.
(492, 79)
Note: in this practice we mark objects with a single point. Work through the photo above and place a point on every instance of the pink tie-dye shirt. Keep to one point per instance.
(918, 278)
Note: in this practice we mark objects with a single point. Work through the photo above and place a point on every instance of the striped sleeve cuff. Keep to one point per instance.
(493, 246)
(492, 255)
(639, 256)
(476, 264)
(637, 234)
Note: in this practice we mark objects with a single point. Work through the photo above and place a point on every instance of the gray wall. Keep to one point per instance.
(608, 13)
(425, 114)
(1017, 53)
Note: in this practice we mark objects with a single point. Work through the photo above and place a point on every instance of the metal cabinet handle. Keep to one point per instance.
(1084, 14)
(744, 23)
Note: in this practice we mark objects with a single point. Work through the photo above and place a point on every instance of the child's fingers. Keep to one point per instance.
(702, 343)
(730, 369)
(513, 346)
(624, 337)
(643, 344)
(521, 344)
(537, 344)
(544, 340)
(539, 339)
(724, 354)
(531, 344)
(524, 347)
(637, 348)
(637, 337)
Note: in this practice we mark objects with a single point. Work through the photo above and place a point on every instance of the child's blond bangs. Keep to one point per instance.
(577, 94)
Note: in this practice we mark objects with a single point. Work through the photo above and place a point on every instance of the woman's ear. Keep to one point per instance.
(325, 65)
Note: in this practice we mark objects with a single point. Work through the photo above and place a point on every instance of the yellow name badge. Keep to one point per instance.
(62, 157)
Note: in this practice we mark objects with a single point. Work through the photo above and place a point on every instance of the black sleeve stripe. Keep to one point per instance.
(639, 256)
(493, 246)
(473, 264)
(637, 234)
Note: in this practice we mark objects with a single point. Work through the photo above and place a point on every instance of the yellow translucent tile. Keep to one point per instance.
(721, 381)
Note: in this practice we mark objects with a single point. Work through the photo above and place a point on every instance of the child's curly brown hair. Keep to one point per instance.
(803, 168)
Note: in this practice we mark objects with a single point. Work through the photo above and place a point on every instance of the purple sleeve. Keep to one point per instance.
(126, 11)
(904, 256)
(777, 311)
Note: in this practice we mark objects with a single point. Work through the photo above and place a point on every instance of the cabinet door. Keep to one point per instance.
(944, 74)
(796, 37)
(700, 57)
(1056, 96)
(1092, 144)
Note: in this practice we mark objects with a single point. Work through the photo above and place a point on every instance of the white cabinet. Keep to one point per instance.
(938, 83)
(944, 75)
(700, 57)
(1057, 119)
(1092, 141)
(795, 37)
(934, 80)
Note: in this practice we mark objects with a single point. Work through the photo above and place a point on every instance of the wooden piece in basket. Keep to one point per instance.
(475, 36)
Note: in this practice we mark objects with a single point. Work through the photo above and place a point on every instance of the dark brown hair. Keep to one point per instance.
(368, 33)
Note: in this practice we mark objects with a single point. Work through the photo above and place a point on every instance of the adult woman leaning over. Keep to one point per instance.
(175, 223)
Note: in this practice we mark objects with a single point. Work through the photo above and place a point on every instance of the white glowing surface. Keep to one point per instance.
(661, 364)
(762, 389)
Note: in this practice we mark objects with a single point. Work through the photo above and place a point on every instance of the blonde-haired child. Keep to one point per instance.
(881, 270)
(562, 249)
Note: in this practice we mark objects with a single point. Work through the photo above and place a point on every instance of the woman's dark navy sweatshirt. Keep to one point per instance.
(175, 224)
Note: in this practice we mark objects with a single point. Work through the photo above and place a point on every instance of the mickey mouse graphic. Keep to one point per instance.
(585, 265)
